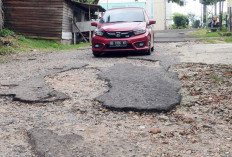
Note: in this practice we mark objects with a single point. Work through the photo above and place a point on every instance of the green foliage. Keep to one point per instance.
(179, 2)
(229, 40)
(225, 34)
(208, 2)
(191, 17)
(196, 24)
(6, 32)
(180, 21)
(85, 1)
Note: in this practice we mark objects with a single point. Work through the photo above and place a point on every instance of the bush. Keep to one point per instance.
(225, 34)
(180, 21)
(6, 32)
(196, 24)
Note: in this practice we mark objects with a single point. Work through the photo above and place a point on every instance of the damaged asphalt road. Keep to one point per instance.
(34, 90)
(133, 87)
(136, 84)
(140, 88)
(62, 115)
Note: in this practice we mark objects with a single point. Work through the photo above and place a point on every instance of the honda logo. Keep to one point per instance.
(118, 34)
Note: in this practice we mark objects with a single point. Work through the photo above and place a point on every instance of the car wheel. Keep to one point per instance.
(152, 49)
(148, 52)
(96, 53)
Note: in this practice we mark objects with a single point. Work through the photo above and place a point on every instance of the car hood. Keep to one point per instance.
(121, 26)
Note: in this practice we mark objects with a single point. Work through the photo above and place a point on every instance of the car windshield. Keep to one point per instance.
(123, 15)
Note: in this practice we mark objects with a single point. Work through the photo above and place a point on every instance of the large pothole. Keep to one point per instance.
(80, 84)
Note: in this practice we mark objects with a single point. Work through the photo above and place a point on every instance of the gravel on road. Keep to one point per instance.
(199, 126)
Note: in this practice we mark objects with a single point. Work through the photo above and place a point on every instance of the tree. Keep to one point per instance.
(208, 2)
(191, 17)
(212, 2)
(180, 2)
(196, 24)
(85, 1)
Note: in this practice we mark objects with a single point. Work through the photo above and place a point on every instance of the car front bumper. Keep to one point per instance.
(131, 43)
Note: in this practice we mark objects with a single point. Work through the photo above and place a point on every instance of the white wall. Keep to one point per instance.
(159, 14)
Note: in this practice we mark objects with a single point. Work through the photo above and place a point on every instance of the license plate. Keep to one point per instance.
(118, 43)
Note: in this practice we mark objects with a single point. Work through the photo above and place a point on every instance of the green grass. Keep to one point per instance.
(204, 33)
(216, 78)
(20, 43)
(38, 44)
(210, 41)
(228, 40)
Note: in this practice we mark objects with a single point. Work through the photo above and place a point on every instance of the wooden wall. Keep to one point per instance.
(70, 13)
(35, 18)
(67, 21)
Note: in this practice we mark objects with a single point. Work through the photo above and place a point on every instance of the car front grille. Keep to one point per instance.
(125, 34)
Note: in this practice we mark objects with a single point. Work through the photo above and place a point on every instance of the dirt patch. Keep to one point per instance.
(206, 53)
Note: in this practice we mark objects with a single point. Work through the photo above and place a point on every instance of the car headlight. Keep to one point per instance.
(140, 31)
(99, 32)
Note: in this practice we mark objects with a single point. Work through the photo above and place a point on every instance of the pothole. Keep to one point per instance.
(144, 62)
(79, 84)
(108, 62)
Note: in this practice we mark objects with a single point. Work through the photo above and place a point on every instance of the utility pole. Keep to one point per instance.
(204, 13)
(220, 14)
(107, 5)
(90, 29)
(215, 7)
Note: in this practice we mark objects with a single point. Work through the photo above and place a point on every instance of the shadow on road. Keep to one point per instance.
(121, 54)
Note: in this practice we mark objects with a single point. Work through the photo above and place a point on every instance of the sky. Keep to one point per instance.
(190, 7)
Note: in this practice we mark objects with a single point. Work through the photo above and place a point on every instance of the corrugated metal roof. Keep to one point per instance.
(86, 6)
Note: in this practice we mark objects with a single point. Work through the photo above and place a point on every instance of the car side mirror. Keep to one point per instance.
(151, 22)
(94, 23)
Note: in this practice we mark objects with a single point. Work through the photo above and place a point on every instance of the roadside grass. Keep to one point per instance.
(228, 40)
(12, 43)
(38, 44)
(210, 41)
(217, 79)
(204, 33)
(222, 36)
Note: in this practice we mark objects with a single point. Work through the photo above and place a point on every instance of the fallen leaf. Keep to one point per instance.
(155, 131)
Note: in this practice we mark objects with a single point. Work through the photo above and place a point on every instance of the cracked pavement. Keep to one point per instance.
(156, 87)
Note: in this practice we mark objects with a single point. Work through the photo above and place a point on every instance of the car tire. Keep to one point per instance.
(96, 54)
(152, 49)
(148, 52)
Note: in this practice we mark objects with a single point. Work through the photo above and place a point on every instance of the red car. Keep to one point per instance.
(123, 29)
